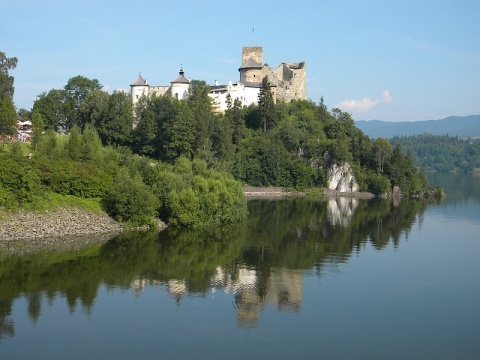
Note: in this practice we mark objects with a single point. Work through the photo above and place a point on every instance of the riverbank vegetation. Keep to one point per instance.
(270, 144)
(184, 162)
(77, 169)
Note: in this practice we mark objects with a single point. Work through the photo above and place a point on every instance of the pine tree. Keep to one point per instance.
(235, 116)
(266, 105)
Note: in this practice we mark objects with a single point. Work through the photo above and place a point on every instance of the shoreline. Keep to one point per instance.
(273, 192)
(56, 222)
(74, 222)
(266, 191)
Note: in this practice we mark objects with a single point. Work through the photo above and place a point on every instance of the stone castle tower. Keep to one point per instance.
(289, 79)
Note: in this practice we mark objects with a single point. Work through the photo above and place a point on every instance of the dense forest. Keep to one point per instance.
(441, 153)
(180, 160)
(282, 144)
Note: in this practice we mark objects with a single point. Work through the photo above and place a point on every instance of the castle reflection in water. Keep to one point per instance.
(283, 290)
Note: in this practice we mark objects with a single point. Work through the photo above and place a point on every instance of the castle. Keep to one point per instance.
(288, 82)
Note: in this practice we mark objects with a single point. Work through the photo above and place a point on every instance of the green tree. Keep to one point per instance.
(378, 184)
(222, 146)
(200, 104)
(91, 146)
(178, 132)
(266, 105)
(130, 201)
(398, 170)
(38, 126)
(51, 106)
(76, 92)
(235, 115)
(381, 152)
(146, 132)
(116, 125)
(93, 108)
(323, 110)
(74, 143)
(16, 150)
(8, 119)
(6, 80)
(47, 145)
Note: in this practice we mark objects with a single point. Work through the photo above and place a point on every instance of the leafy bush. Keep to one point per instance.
(130, 201)
(192, 195)
(19, 179)
(75, 178)
(378, 184)
(8, 200)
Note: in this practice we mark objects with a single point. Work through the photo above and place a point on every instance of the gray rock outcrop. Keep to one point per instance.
(341, 179)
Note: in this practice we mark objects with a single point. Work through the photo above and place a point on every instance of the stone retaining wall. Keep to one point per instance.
(58, 222)
(251, 191)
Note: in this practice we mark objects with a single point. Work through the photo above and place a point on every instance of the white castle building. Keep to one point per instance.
(288, 82)
(178, 88)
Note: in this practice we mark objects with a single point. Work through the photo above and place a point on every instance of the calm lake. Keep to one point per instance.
(300, 279)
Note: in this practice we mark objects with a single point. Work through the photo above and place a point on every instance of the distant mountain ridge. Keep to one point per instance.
(461, 126)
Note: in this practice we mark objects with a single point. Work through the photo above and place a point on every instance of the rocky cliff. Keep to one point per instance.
(341, 179)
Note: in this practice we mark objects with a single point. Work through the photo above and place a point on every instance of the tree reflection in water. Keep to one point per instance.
(261, 260)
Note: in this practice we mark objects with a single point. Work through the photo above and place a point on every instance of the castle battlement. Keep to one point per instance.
(288, 81)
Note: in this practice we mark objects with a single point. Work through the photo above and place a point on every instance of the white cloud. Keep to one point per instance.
(386, 97)
(364, 104)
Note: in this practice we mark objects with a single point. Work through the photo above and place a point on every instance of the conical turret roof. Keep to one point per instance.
(180, 78)
(139, 81)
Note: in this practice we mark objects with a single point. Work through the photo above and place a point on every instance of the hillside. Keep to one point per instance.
(466, 126)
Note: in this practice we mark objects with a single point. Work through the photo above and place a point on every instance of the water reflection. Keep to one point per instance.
(283, 290)
(341, 210)
(260, 261)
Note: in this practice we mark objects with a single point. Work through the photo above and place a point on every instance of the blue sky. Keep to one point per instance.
(387, 60)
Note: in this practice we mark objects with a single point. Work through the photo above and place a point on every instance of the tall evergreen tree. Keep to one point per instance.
(200, 104)
(235, 115)
(266, 105)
